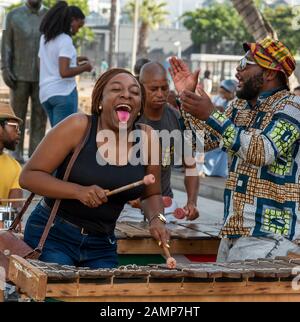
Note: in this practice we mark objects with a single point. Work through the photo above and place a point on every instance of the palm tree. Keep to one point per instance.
(254, 20)
(112, 34)
(151, 14)
(258, 26)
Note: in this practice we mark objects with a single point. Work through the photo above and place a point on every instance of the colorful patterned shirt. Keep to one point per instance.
(262, 191)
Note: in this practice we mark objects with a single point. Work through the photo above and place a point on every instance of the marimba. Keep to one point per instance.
(250, 280)
(188, 238)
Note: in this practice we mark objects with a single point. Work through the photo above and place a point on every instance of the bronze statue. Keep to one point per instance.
(19, 58)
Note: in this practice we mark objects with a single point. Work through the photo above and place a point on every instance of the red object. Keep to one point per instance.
(167, 201)
(201, 258)
(179, 213)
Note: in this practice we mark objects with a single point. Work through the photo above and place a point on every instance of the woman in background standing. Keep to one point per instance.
(59, 63)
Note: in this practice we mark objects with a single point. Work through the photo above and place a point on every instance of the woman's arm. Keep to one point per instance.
(66, 71)
(191, 183)
(81, 59)
(58, 143)
(152, 203)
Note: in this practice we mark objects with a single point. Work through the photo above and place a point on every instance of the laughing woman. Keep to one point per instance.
(83, 232)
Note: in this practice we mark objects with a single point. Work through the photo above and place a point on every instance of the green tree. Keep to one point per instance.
(255, 22)
(152, 13)
(112, 61)
(84, 34)
(214, 25)
(282, 18)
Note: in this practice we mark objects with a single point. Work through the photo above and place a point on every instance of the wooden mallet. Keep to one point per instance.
(18, 199)
(147, 180)
(171, 261)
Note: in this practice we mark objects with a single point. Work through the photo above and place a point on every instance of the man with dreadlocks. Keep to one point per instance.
(19, 64)
(59, 63)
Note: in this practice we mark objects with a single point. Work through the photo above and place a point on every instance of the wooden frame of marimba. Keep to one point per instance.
(188, 239)
(134, 238)
(225, 282)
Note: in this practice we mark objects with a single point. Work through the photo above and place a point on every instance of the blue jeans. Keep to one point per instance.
(216, 163)
(66, 245)
(60, 107)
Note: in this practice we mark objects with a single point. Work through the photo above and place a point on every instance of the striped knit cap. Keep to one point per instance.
(272, 54)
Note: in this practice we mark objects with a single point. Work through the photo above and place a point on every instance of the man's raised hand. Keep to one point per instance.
(182, 77)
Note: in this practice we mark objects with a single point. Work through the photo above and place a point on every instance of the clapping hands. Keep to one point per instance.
(196, 103)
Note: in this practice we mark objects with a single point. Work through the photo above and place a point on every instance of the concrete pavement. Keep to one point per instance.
(210, 187)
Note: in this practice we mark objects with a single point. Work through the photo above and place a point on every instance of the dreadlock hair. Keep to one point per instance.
(102, 82)
(58, 20)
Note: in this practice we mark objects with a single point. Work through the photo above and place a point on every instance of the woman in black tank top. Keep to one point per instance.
(83, 231)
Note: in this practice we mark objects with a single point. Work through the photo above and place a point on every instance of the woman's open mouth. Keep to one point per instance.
(123, 112)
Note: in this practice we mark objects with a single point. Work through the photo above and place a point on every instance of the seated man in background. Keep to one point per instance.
(10, 169)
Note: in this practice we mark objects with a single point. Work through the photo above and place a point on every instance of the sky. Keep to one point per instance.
(177, 7)
(174, 6)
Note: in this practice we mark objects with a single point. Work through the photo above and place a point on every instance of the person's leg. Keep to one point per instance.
(38, 119)
(58, 257)
(63, 106)
(19, 102)
(99, 252)
(103, 262)
(74, 100)
(251, 248)
(283, 247)
(48, 108)
(60, 246)
(223, 251)
(216, 163)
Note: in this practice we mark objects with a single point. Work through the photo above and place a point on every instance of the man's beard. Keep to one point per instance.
(10, 145)
(251, 88)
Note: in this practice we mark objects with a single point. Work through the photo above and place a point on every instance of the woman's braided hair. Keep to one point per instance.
(58, 20)
(102, 82)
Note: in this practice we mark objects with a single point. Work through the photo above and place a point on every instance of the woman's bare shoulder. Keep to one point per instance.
(72, 128)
